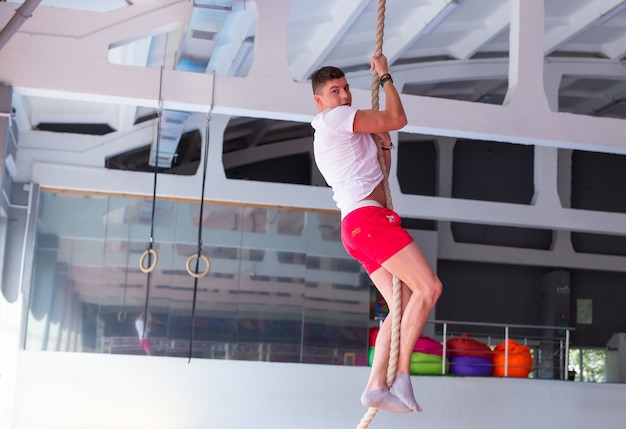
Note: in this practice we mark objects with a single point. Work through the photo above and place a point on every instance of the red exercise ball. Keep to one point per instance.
(373, 333)
(465, 346)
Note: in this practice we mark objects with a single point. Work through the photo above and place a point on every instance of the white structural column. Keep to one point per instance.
(526, 87)
(445, 171)
(445, 166)
(553, 173)
(549, 176)
(545, 178)
(526, 56)
(270, 56)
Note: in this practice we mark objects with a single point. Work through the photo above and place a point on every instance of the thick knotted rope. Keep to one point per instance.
(396, 306)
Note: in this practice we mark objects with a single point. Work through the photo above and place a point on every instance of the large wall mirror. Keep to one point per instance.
(280, 286)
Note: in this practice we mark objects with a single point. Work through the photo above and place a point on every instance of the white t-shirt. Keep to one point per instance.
(139, 326)
(347, 160)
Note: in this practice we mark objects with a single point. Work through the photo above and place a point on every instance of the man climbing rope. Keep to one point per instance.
(347, 157)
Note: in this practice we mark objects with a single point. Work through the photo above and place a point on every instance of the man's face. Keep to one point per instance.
(336, 93)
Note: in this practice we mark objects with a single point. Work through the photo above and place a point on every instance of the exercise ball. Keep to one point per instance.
(373, 334)
(520, 360)
(466, 346)
(428, 364)
(471, 365)
(428, 345)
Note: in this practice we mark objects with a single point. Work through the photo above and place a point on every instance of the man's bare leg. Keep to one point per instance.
(420, 292)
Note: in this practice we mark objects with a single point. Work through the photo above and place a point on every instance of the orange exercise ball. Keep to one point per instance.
(520, 360)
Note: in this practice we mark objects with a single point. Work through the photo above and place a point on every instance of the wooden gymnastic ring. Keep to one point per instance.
(203, 273)
(143, 257)
(121, 316)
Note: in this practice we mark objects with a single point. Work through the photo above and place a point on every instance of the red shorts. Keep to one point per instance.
(145, 344)
(373, 234)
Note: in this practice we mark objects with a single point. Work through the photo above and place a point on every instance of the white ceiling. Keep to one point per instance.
(218, 36)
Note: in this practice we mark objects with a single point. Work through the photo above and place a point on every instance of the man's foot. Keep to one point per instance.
(403, 389)
(384, 400)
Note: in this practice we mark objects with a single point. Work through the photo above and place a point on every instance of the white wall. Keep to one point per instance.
(73, 390)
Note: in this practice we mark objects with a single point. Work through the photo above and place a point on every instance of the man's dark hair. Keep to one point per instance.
(323, 75)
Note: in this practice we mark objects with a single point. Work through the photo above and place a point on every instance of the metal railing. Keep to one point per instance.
(549, 345)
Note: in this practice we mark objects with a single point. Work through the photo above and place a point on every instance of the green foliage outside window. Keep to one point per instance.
(588, 365)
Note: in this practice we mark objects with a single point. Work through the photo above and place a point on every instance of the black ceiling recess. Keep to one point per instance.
(186, 161)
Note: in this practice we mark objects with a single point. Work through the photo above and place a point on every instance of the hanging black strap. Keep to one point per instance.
(150, 253)
(196, 273)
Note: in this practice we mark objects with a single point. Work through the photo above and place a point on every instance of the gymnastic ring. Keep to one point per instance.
(203, 273)
(121, 316)
(143, 257)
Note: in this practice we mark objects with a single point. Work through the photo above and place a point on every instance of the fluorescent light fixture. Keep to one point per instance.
(242, 55)
(437, 20)
(612, 14)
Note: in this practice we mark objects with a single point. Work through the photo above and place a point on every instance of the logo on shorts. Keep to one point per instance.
(391, 218)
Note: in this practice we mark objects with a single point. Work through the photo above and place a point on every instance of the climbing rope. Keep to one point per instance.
(196, 274)
(396, 306)
(150, 253)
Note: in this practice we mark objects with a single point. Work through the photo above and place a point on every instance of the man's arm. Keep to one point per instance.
(392, 117)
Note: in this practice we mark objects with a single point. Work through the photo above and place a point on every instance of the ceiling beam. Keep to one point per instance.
(493, 25)
(615, 49)
(414, 24)
(234, 36)
(557, 35)
(325, 36)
